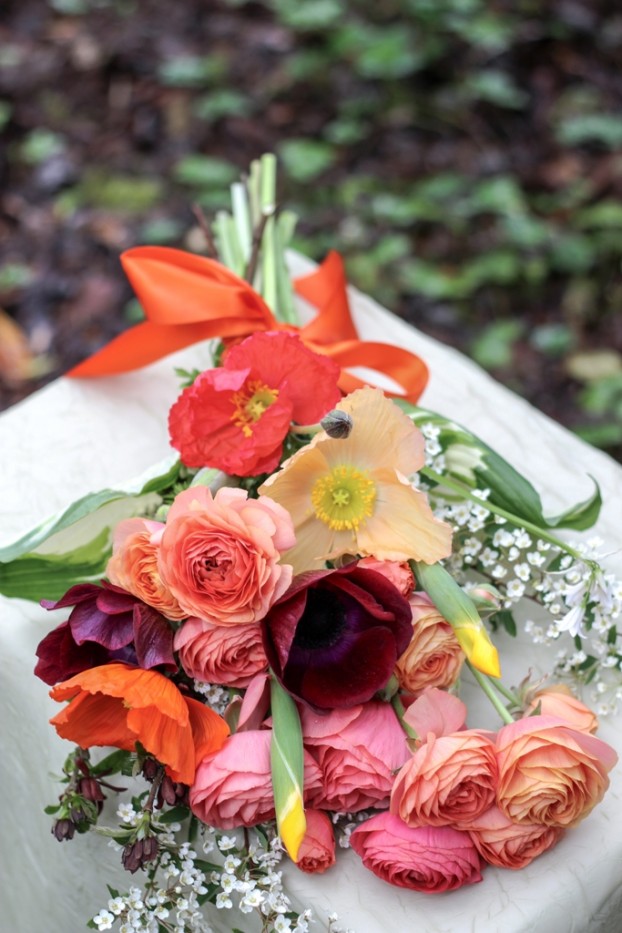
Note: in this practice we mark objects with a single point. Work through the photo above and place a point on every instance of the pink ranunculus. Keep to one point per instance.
(426, 858)
(358, 750)
(234, 786)
(448, 781)
(400, 574)
(317, 850)
(433, 657)
(550, 773)
(559, 701)
(221, 654)
(219, 555)
(505, 844)
(134, 565)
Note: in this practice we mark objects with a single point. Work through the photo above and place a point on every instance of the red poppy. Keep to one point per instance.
(118, 705)
(236, 417)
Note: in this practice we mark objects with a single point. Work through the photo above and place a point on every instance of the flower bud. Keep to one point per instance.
(137, 854)
(89, 788)
(337, 424)
(63, 829)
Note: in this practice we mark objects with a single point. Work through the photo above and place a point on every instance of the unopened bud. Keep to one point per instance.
(137, 854)
(337, 424)
(150, 768)
(89, 789)
(64, 829)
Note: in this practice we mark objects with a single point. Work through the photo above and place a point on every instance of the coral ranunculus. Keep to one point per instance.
(505, 844)
(317, 849)
(119, 705)
(134, 565)
(426, 858)
(236, 417)
(449, 780)
(233, 786)
(220, 554)
(334, 637)
(433, 657)
(221, 654)
(352, 496)
(550, 773)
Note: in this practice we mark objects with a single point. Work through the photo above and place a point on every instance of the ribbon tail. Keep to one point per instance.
(405, 368)
(326, 289)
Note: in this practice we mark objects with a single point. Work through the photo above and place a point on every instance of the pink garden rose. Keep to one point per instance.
(221, 654)
(550, 773)
(317, 849)
(426, 858)
(134, 565)
(433, 658)
(358, 750)
(510, 845)
(559, 701)
(448, 781)
(219, 555)
(233, 787)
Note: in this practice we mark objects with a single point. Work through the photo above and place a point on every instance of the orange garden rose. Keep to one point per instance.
(559, 701)
(550, 773)
(449, 780)
(434, 657)
(220, 554)
(134, 565)
(118, 705)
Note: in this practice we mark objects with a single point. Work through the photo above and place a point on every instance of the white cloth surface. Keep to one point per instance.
(74, 437)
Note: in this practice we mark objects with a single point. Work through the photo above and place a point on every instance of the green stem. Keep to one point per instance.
(507, 693)
(489, 690)
(467, 493)
(396, 703)
(309, 429)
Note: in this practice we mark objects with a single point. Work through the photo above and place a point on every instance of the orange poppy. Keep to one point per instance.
(118, 705)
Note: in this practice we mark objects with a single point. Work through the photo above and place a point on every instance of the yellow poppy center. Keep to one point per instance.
(344, 498)
(250, 404)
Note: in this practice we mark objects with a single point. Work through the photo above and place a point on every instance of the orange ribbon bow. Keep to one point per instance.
(189, 298)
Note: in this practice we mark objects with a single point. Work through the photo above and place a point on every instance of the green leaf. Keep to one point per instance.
(114, 763)
(74, 545)
(174, 815)
(580, 516)
(306, 159)
(199, 171)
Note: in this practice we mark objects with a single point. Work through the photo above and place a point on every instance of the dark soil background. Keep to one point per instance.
(464, 156)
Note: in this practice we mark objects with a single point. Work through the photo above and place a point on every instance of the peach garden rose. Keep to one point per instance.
(550, 773)
(559, 701)
(505, 844)
(134, 565)
(220, 554)
(449, 780)
(434, 657)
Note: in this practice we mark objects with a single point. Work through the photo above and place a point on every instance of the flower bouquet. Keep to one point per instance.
(273, 634)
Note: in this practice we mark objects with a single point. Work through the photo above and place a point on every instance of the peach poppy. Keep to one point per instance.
(118, 705)
(352, 495)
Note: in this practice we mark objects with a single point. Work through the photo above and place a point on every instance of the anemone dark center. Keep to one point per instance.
(322, 623)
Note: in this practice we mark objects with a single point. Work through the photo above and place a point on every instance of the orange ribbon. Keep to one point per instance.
(189, 298)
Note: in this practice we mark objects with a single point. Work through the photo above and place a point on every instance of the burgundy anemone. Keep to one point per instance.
(106, 624)
(334, 637)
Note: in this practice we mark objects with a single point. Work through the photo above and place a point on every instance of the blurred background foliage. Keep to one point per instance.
(465, 156)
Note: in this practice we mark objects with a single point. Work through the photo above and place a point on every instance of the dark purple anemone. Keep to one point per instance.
(105, 624)
(334, 637)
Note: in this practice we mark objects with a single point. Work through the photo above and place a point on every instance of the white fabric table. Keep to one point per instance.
(74, 437)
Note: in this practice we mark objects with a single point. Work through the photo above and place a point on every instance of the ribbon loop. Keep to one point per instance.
(189, 298)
